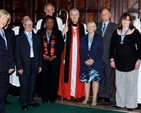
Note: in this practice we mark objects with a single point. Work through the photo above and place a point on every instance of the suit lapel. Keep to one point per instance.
(33, 41)
(100, 29)
(24, 40)
(6, 35)
(108, 29)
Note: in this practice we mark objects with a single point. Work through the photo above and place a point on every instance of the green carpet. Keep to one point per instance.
(52, 108)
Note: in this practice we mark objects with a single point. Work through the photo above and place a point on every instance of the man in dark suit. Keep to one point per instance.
(28, 59)
(106, 29)
(6, 57)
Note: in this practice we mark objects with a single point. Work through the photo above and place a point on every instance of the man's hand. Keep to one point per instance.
(65, 30)
(39, 69)
(20, 71)
(10, 71)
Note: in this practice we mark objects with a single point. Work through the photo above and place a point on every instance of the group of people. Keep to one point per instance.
(68, 59)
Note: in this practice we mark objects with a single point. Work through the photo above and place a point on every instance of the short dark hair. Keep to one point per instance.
(49, 17)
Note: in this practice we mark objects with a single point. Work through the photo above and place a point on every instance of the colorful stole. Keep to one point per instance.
(49, 46)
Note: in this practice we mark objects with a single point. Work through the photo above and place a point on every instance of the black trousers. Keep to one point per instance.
(27, 85)
(50, 80)
(106, 86)
(4, 77)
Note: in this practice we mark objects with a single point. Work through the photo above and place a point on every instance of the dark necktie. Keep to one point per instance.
(104, 26)
(103, 29)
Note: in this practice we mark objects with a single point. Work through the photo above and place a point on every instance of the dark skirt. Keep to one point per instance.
(89, 75)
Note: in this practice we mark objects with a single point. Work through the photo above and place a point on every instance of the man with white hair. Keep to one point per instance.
(72, 86)
(105, 29)
(49, 9)
(28, 59)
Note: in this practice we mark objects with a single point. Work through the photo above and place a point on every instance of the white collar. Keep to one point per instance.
(28, 32)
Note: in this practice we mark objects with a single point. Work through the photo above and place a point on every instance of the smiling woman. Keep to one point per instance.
(6, 57)
(125, 55)
(91, 50)
(52, 47)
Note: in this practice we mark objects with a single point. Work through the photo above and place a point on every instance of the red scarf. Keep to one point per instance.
(49, 47)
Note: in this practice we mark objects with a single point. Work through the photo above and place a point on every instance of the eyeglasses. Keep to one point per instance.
(29, 24)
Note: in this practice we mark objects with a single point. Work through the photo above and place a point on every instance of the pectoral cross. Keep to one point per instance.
(74, 33)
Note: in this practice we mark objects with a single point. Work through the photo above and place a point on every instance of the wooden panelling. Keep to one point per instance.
(81, 5)
(89, 9)
(16, 8)
(92, 5)
(66, 4)
(105, 4)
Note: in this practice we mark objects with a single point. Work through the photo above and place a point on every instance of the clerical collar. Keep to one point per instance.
(74, 24)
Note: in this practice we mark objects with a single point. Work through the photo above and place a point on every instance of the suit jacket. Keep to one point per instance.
(95, 53)
(106, 39)
(6, 55)
(22, 52)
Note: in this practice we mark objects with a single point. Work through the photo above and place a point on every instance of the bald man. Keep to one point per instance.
(106, 29)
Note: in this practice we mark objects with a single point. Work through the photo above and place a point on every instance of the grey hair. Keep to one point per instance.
(74, 9)
(48, 4)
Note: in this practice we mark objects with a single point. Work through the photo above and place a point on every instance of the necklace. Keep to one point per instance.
(122, 36)
(90, 40)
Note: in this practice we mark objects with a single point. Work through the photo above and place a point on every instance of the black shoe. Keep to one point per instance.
(129, 109)
(100, 99)
(52, 101)
(107, 100)
(45, 102)
(24, 108)
(35, 105)
(139, 106)
(118, 107)
(7, 102)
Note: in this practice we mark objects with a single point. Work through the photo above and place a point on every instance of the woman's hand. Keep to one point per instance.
(113, 64)
(46, 57)
(89, 62)
(52, 58)
(137, 64)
